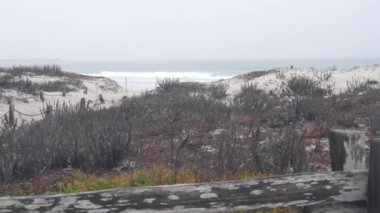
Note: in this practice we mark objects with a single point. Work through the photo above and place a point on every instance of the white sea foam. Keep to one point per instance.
(180, 74)
(140, 81)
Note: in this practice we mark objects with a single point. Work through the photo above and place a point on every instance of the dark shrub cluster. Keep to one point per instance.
(67, 85)
(252, 100)
(100, 139)
(9, 81)
(306, 87)
(176, 124)
(167, 84)
(309, 98)
(80, 138)
(217, 90)
(48, 70)
(285, 150)
(275, 144)
(364, 92)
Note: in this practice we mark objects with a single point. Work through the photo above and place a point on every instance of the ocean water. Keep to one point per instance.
(142, 75)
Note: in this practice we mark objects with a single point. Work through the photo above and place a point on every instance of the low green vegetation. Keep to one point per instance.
(159, 176)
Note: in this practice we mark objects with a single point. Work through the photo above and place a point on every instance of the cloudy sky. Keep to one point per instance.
(188, 29)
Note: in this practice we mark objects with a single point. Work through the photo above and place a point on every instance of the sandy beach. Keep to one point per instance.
(274, 81)
(30, 106)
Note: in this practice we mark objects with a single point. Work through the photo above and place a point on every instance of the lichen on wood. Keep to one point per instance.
(280, 191)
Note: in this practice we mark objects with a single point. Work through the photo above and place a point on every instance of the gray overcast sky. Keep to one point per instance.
(188, 29)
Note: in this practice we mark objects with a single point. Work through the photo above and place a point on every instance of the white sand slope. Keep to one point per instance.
(32, 105)
(276, 80)
(271, 81)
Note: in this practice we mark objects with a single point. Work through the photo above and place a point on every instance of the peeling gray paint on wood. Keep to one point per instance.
(280, 191)
(374, 177)
(334, 207)
(348, 149)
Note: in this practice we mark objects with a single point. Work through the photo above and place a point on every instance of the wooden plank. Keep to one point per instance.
(82, 105)
(336, 207)
(11, 113)
(42, 97)
(348, 150)
(280, 191)
(374, 177)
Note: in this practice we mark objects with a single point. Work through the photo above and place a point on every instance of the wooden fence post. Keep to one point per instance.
(348, 150)
(11, 113)
(373, 191)
(101, 99)
(42, 96)
(49, 110)
(82, 105)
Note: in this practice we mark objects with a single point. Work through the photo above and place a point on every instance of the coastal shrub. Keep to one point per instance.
(356, 86)
(347, 121)
(322, 76)
(48, 70)
(180, 115)
(8, 81)
(373, 119)
(363, 92)
(226, 153)
(251, 99)
(173, 125)
(217, 90)
(274, 144)
(176, 116)
(85, 139)
(314, 109)
(262, 110)
(262, 106)
(167, 84)
(62, 85)
(191, 87)
(306, 87)
(309, 99)
(99, 139)
(8, 157)
(188, 111)
(284, 151)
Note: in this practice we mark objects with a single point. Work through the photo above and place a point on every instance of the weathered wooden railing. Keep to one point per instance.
(295, 190)
(341, 191)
